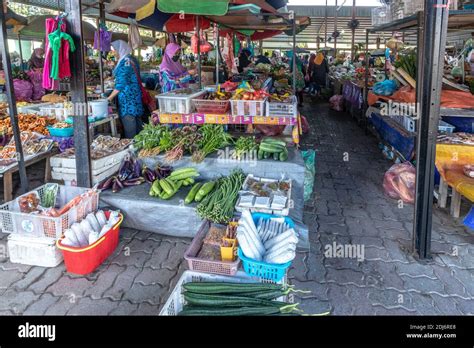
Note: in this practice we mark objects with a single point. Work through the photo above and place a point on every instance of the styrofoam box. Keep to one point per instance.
(35, 251)
(105, 162)
(68, 177)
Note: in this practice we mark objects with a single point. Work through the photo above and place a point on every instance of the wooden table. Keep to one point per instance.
(7, 173)
(112, 119)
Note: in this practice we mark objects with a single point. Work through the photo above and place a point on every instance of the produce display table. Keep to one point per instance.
(112, 119)
(6, 172)
(172, 217)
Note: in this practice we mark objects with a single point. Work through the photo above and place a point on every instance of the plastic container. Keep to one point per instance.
(86, 260)
(469, 219)
(175, 302)
(172, 102)
(33, 251)
(61, 132)
(211, 106)
(207, 266)
(35, 225)
(277, 109)
(445, 127)
(248, 107)
(99, 108)
(273, 272)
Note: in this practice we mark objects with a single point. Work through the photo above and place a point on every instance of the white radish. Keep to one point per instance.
(100, 216)
(93, 237)
(93, 222)
(253, 237)
(281, 246)
(284, 257)
(247, 247)
(80, 236)
(71, 237)
(247, 216)
(260, 227)
(281, 237)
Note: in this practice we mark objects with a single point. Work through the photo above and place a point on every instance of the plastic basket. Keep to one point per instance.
(172, 102)
(61, 132)
(35, 225)
(248, 107)
(211, 106)
(273, 272)
(207, 266)
(445, 127)
(277, 109)
(35, 251)
(175, 302)
(85, 260)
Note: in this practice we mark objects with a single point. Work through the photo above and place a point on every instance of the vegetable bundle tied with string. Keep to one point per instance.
(214, 137)
(218, 206)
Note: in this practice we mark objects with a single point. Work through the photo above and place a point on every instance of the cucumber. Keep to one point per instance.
(276, 155)
(182, 176)
(274, 141)
(266, 155)
(156, 187)
(271, 147)
(183, 170)
(226, 300)
(260, 154)
(165, 185)
(229, 288)
(283, 156)
(190, 197)
(204, 190)
(209, 311)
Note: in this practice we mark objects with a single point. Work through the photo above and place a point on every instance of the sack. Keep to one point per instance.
(399, 182)
(147, 99)
(105, 40)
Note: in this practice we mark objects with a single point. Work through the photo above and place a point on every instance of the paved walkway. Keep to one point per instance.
(348, 207)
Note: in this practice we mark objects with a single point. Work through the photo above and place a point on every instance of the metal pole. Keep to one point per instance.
(366, 81)
(335, 30)
(101, 20)
(21, 52)
(79, 95)
(433, 46)
(198, 29)
(353, 30)
(7, 67)
(326, 24)
(294, 54)
(216, 30)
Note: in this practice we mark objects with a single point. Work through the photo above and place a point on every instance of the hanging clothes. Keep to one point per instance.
(134, 38)
(59, 57)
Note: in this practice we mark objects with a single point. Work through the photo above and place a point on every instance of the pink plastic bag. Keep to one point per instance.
(399, 182)
(23, 90)
(36, 78)
(336, 102)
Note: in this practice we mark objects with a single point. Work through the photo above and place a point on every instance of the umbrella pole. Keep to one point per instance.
(21, 52)
(294, 53)
(217, 52)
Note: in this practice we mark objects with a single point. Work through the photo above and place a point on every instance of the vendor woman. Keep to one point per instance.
(128, 89)
(173, 75)
(37, 59)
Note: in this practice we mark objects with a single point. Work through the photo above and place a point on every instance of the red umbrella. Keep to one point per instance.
(183, 23)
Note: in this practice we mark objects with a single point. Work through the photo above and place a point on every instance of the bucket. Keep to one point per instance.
(99, 108)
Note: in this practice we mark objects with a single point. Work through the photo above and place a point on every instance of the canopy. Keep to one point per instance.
(201, 7)
(12, 19)
(180, 24)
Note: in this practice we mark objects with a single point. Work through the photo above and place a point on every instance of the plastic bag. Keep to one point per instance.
(336, 102)
(23, 90)
(205, 46)
(36, 78)
(387, 87)
(309, 158)
(399, 182)
(105, 40)
(134, 38)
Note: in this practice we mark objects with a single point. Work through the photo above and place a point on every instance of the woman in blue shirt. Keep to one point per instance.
(128, 89)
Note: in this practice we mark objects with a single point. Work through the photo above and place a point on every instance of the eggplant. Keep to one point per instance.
(134, 182)
(119, 183)
(137, 166)
(105, 185)
(115, 186)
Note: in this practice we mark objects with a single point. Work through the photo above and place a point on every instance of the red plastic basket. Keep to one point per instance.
(211, 106)
(86, 259)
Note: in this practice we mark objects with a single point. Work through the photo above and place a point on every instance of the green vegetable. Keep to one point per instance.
(190, 197)
(244, 145)
(213, 138)
(213, 311)
(228, 301)
(166, 186)
(49, 195)
(271, 147)
(183, 173)
(156, 187)
(151, 136)
(229, 288)
(204, 191)
(283, 156)
(274, 141)
(276, 155)
(266, 155)
(260, 154)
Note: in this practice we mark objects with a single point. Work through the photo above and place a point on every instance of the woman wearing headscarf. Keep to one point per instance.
(37, 59)
(244, 60)
(299, 76)
(173, 74)
(320, 71)
(128, 89)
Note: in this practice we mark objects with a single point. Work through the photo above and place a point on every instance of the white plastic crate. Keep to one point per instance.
(58, 110)
(35, 251)
(277, 109)
(176, 302)
(177, 103)
(248, 107)
(35, 225)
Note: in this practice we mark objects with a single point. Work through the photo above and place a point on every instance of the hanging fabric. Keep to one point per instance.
(146, 11)
(105, 38)
(134, 38)
(125, 5)
(58, 55)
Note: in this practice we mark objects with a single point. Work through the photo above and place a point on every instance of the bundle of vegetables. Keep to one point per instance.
(274, 148)
(182, 140)
(166, 188)
(213, 138)
(129, 174)
(218, 206)
(244, 145)
(150, 138)
(272, 241)
(236, 299)
(199, 191)
(407, 61)
(160, 172)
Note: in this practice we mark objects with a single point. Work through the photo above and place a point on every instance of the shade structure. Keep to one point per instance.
(156, 21)
(12, 19)
(201, 7)
(183, 23)
(130, 6)
(36, 29)
(252, 22)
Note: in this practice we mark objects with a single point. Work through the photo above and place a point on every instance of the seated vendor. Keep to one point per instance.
(173, 75)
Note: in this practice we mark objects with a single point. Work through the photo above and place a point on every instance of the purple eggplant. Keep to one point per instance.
(119, 183)
(134, 182)
(137, 166)
(106, 184)
(115, 186)
(148, 174)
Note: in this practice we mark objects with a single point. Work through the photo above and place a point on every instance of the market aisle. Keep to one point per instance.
(349, 208)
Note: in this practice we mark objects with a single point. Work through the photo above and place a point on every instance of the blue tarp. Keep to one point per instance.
(402, 140)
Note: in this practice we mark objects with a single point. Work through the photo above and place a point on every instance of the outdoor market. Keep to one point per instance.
(236, 157)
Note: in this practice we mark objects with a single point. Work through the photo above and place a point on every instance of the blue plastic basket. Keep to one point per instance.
(273, 272)
(61, 132)
(469, 219)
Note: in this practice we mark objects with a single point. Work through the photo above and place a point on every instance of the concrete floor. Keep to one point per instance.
(348, 207)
